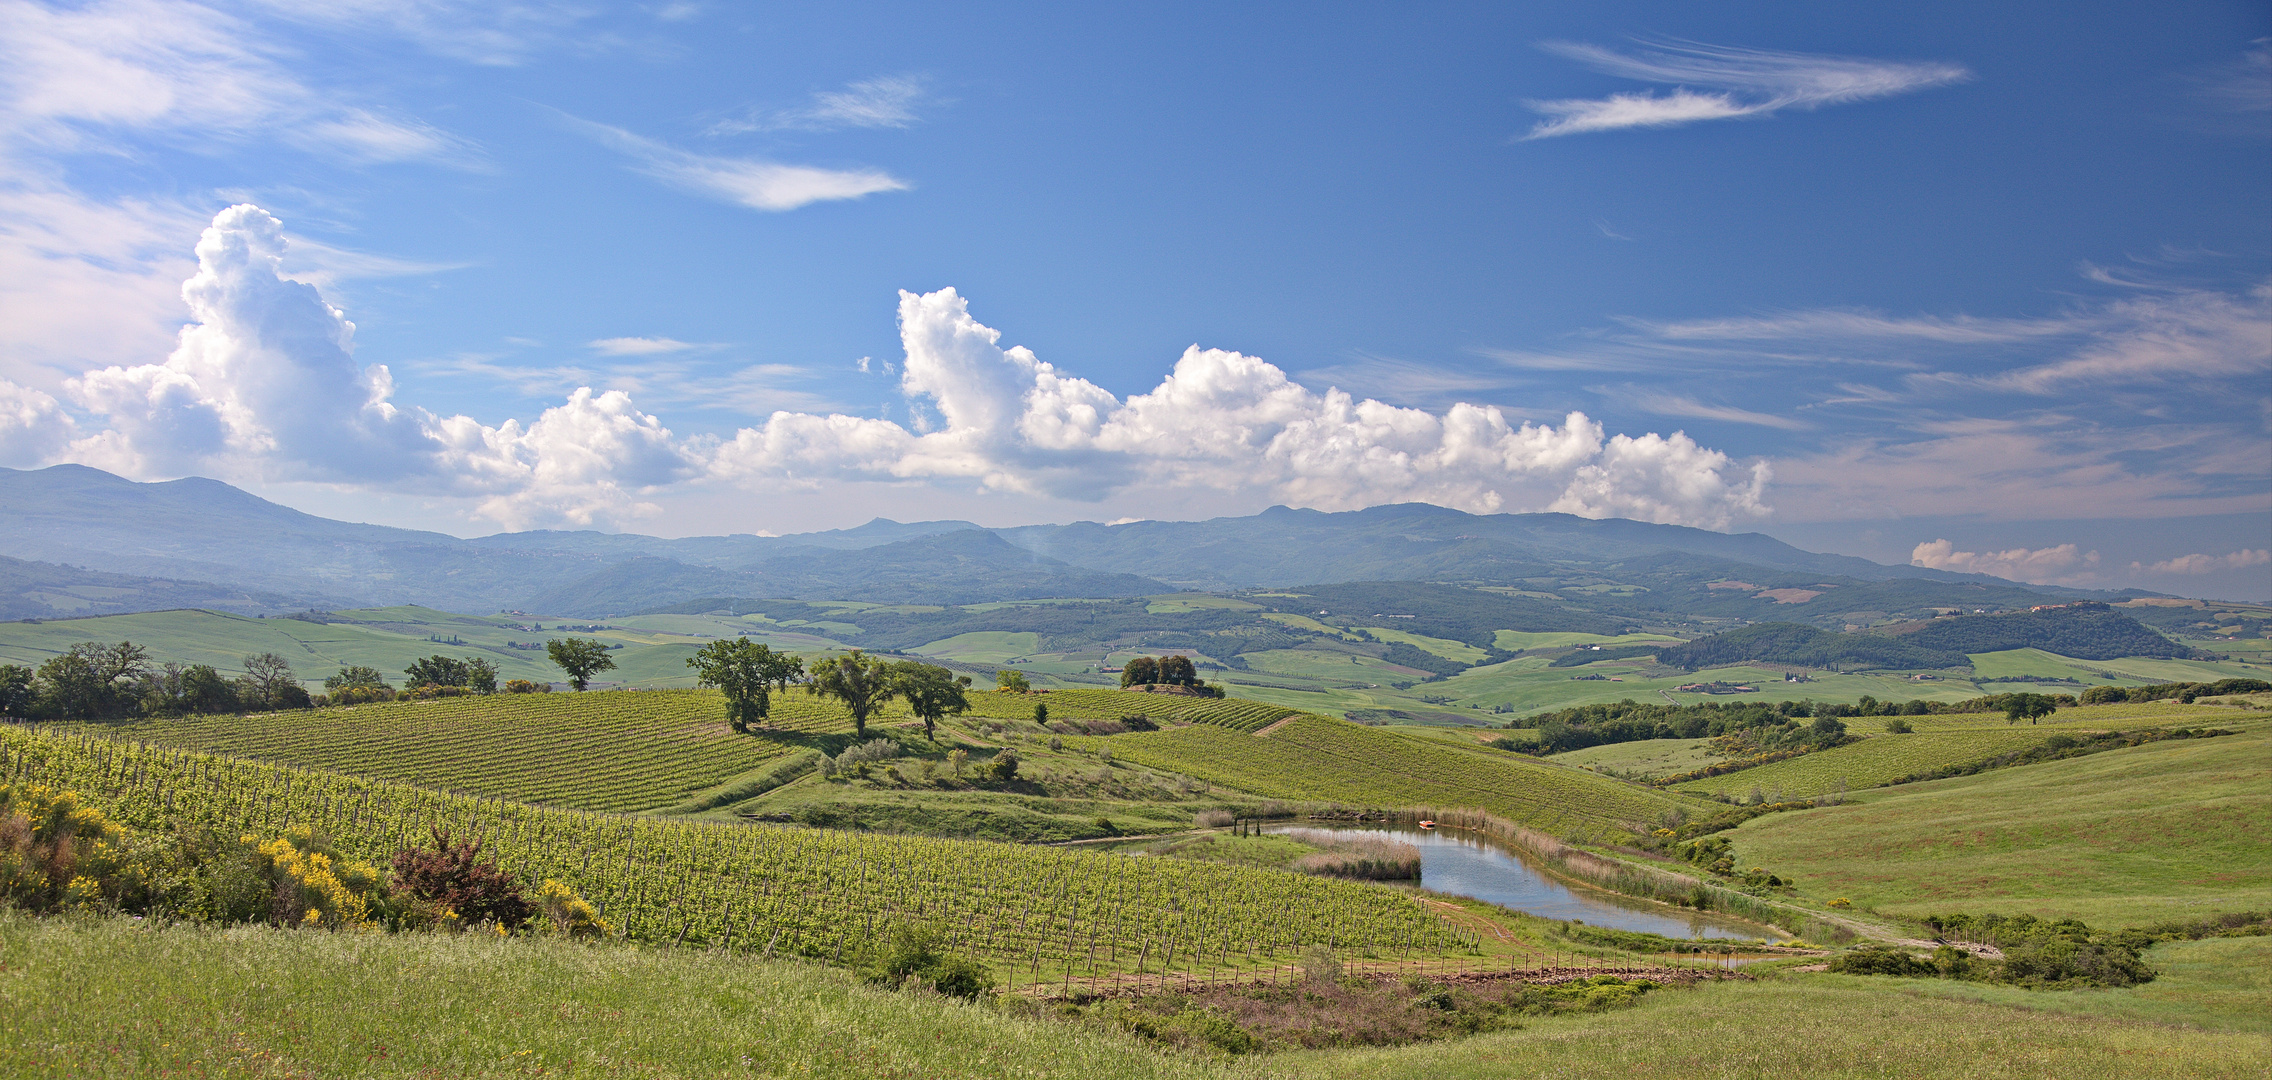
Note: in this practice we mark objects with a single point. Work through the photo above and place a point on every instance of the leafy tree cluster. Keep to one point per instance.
(473, 673)
(1403, 654)
(2187, 692)
(1631, 721)
(1805, 646)
(1581, 657)
(2087, 631)
(95, 681)
(2038, 953)
(865, 683)
(1164, 671)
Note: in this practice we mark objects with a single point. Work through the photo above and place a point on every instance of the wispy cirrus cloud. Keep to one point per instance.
(1664, 404)
(752, 182)
(2244, 86)
(886, 102)
(640, 346)
(78, 79)
(1735, 82)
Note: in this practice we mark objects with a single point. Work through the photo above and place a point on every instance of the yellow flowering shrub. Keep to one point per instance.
(569, 914)
(54, 850)
(315, 886)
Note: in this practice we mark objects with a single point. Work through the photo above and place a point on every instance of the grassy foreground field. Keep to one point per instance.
(2168, 830)
(112, 997)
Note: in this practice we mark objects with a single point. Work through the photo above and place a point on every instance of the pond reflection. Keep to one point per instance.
(1462, 863)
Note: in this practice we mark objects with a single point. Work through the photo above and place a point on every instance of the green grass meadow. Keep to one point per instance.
(120, 998)
(2167, 830)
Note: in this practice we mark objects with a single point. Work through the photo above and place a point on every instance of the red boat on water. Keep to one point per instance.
(1427, 824)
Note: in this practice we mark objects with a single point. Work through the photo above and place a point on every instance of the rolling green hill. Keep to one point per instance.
(1804, 646)
(2085, 631)
(1314, 758)
(2168, 830)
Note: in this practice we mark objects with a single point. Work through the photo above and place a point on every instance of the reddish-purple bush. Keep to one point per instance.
(453, 876)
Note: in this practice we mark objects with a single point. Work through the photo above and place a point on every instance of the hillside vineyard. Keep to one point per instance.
(1040, 912)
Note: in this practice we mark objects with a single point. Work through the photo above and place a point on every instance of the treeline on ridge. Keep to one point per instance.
(2088, 631)
(2085, 631)
(1581, 726)
(1804, 646)
(1631, 721)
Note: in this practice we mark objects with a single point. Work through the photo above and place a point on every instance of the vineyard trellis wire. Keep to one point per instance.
(1036, 913)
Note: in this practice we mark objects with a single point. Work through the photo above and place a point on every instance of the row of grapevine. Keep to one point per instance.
(1316, 758)
(1236, 714)
(614, 751)
(1877, 760)
(1037, 912)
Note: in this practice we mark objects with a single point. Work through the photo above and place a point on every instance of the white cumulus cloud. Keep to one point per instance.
(2208, 564)
(1009, 421)
(2044, 566)
(263, 384)
(1737, 82)
(33, 426)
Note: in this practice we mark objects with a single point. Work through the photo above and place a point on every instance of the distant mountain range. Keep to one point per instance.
(83, 541)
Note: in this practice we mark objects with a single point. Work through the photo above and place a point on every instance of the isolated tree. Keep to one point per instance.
(480, 675)
(1011, 682)
(269, 683)
(2029, 707)
(930, 692)
(747, 673)
(1140, 671)
(356, 676)
(581, 658)
(863, 683)
(956, 759)
(1178, 671)
(1004, 767)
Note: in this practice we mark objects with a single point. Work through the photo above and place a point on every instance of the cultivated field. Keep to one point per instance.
(1315, 758)
(604, 750)
(1647, 757)
(1041, 912)
(1879, 759)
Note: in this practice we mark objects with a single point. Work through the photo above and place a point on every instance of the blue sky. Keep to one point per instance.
(1868, 280)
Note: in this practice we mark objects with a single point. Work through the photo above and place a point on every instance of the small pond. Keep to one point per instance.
(1462, 863)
